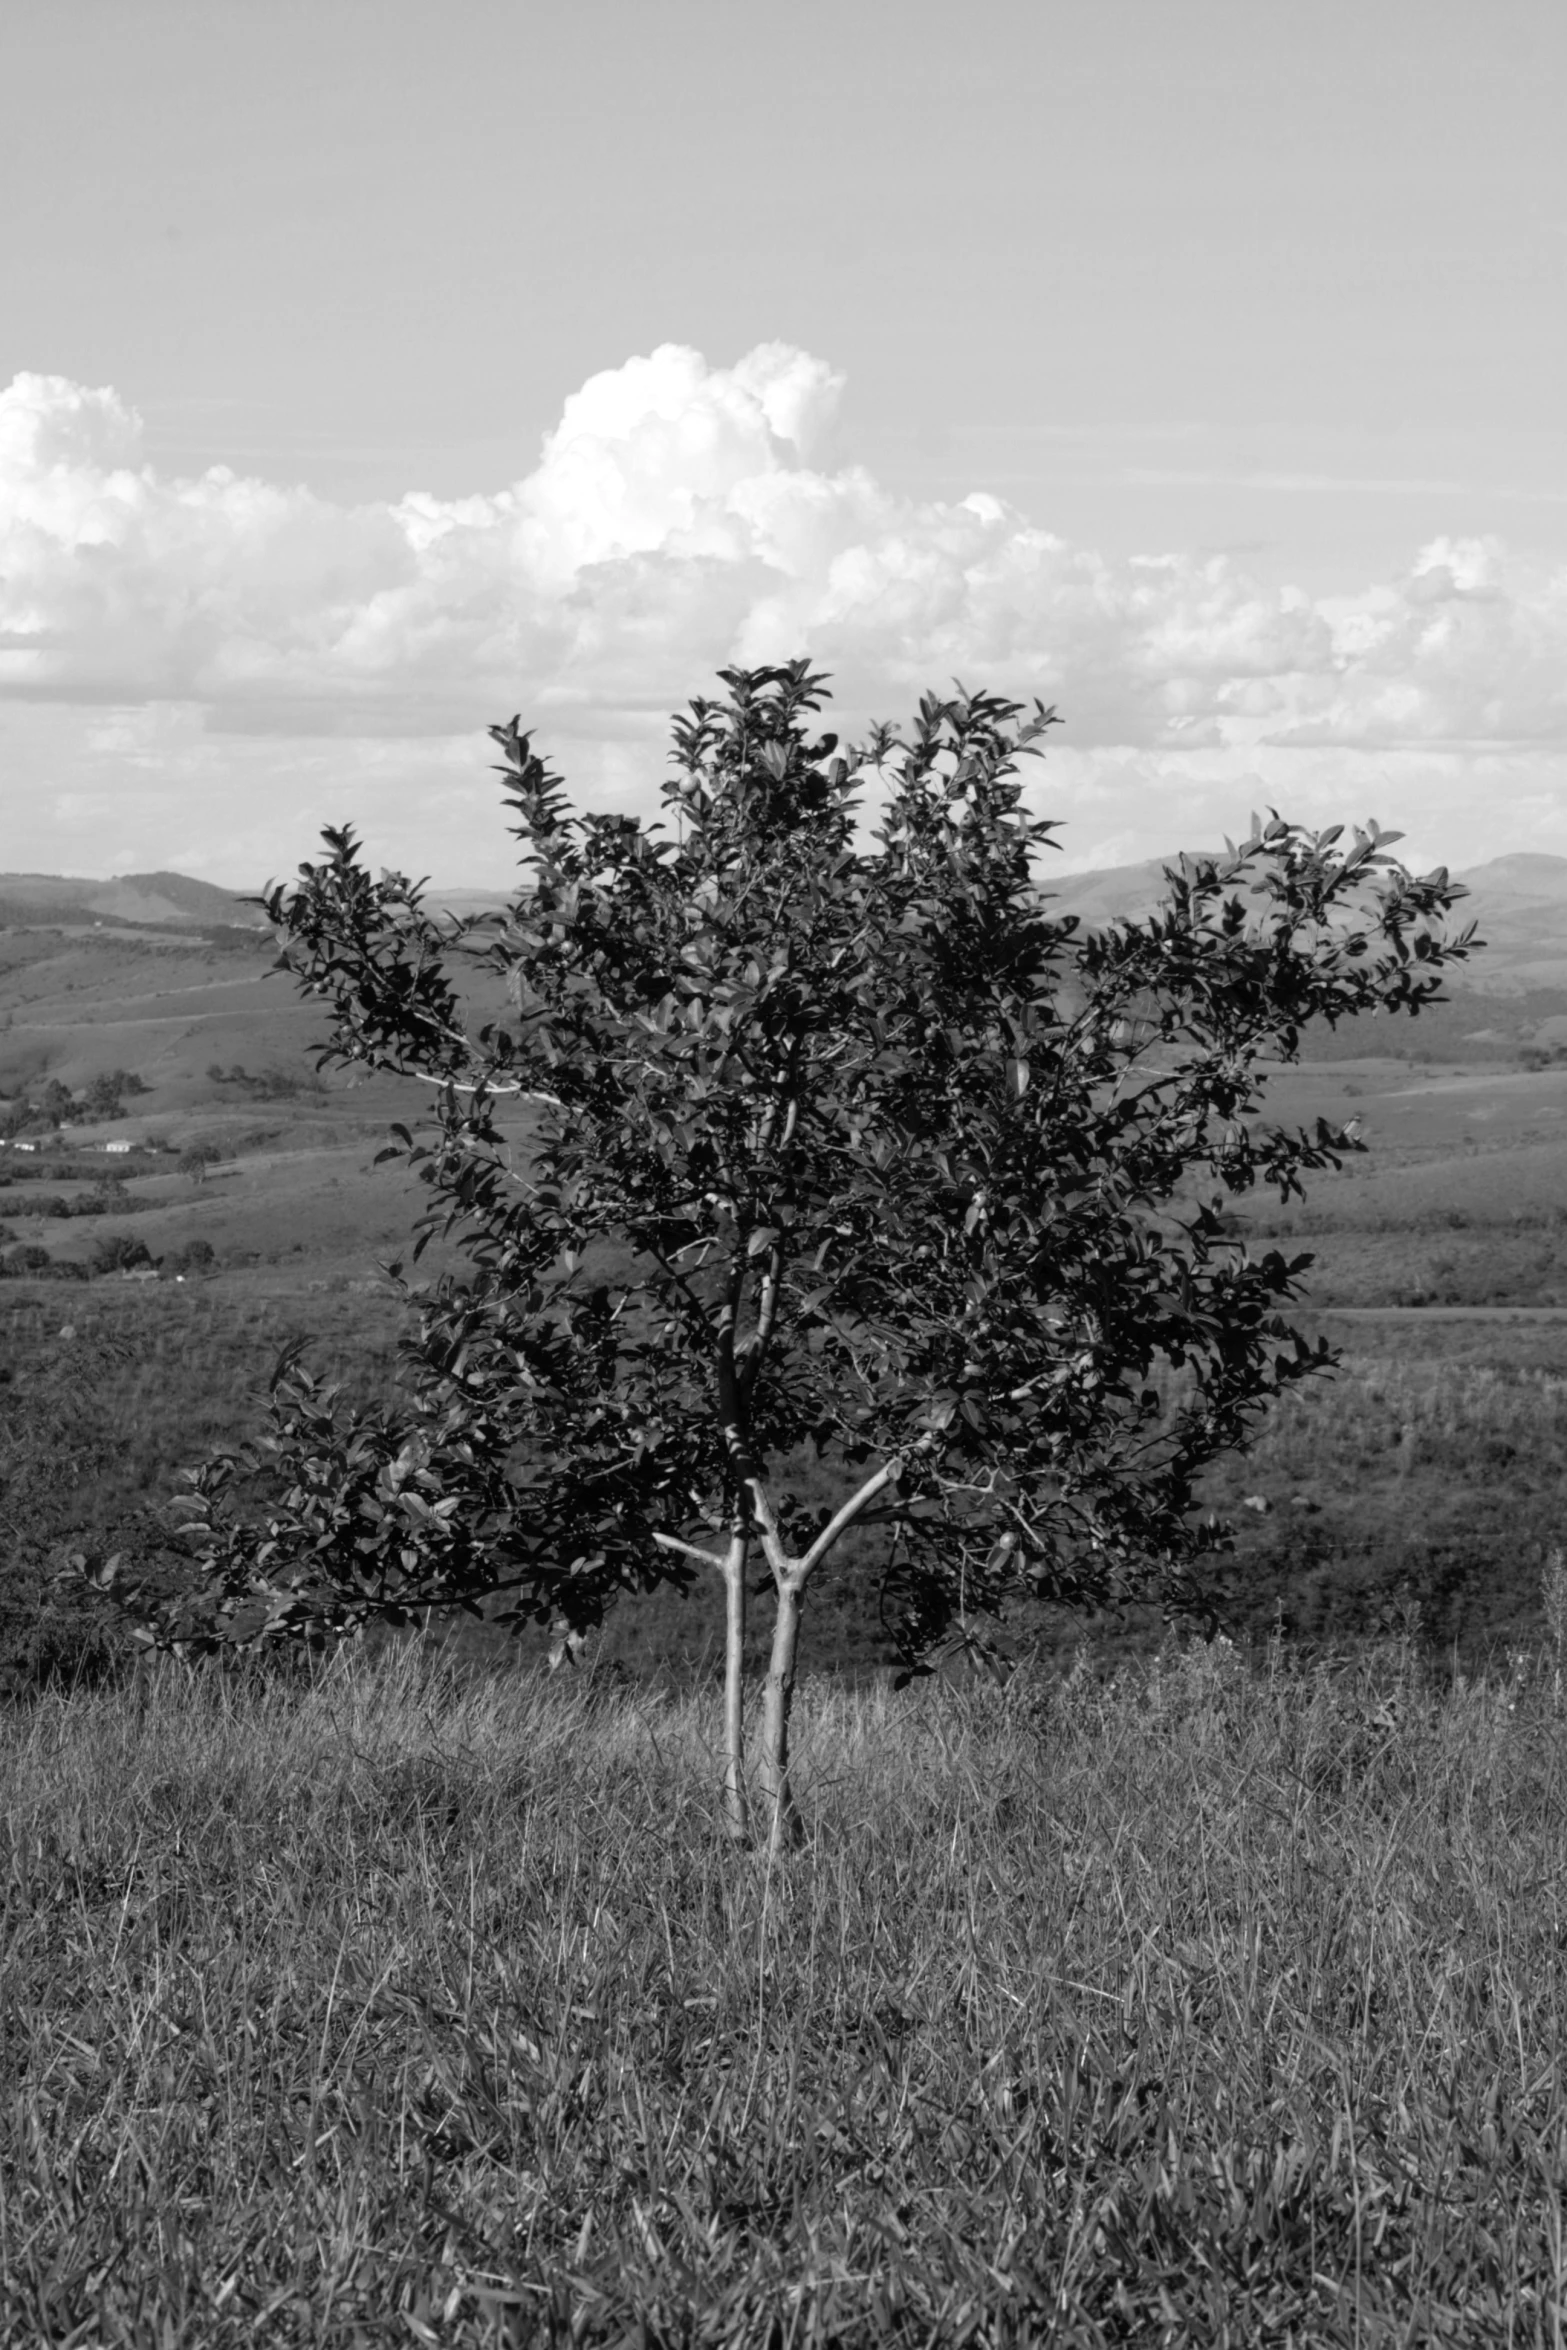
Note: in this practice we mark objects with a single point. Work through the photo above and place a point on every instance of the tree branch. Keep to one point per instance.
(767, 1524)
(787, 1103)
(767, 1315)
(689, 1550)
(731, 1403)
(453, 1085)
(853, 1508)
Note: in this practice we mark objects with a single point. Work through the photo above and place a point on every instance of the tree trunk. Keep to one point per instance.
(790, 1576)
(737, 1819)
(784, 1831)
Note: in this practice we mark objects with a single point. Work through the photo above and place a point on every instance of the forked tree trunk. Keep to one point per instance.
(784, 1827)
(790, 1576)
(737, 1819)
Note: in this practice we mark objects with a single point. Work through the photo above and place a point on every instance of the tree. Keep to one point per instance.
(786, 1158)
(196, 1159)
(56, 1104)
(105, 1094)
(119, 1252)
(28, 1258)
(198, 1256)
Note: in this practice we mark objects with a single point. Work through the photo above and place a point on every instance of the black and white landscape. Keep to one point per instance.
(1175, 1956)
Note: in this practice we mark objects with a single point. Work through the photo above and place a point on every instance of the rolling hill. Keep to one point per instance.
(145, 900)
(1519, 904)
(170, 976)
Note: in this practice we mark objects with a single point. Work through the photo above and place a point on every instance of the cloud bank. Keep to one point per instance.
(186, 662)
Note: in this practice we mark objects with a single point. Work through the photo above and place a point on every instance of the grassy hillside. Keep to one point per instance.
(145, 898)
(1207, 2006)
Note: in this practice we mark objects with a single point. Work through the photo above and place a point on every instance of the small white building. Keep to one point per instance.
(116, 1149)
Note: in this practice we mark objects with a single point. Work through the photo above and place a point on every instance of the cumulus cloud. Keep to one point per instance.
(682, 515)
(1465, 648)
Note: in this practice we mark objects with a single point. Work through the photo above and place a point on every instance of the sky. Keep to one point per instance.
(369, 373)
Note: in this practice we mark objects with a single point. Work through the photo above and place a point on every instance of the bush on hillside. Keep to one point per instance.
(196, 1158)
(27, 1258)
(198, 1256)
(118, 1252)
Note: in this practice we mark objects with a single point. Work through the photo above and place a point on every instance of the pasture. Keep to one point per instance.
(1210, 2002)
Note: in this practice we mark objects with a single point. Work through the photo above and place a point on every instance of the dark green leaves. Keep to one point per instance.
(830, 1146)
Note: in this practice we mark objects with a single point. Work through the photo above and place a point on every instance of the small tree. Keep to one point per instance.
(197, 1256)
(196, 1158)
(105, 1096)
(56, 1103)
(119, 1252)
(838, 1159)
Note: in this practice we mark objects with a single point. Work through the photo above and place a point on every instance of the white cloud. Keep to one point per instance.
(680, 517)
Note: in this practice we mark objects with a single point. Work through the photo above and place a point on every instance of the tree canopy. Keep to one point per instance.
(781, 1142)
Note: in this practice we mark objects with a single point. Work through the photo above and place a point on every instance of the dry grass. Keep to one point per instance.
(1429, 1414)
(1209, 2006)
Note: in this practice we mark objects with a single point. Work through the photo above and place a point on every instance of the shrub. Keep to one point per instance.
(27, 1258)
(118, 1252)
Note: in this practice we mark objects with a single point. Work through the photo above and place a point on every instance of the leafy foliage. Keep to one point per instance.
(853, 1150)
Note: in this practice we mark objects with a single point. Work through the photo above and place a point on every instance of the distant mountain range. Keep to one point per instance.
(145, 900)
(1518, 902)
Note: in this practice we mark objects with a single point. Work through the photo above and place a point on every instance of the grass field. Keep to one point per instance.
(1215, 2004)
